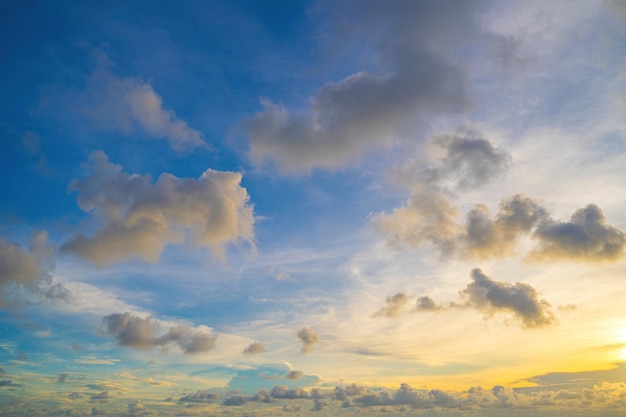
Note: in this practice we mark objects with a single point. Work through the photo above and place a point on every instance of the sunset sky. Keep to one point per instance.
(277, 208)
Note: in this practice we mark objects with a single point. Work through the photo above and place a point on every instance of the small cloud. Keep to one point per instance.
(76, 347)
(308, 338)
(395, 305)
(202, 396)
(428, 304)
(293, 375)
(62, 378)
(255, 348)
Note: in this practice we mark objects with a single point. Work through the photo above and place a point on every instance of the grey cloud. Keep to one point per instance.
(470, 161)
(255, 348)
(395, 305)
(201, 396)
(103, 397)
(430, 217)
(416, 42)
(519, 298)
(62, 378)
(76, 347)
(6, 383)
(141, 333)
(131, 106)
(140, 217)
(17, 264)
(585, 237)
(74, 395)
(308, 338)
(235, 400)
(293, 375)
(426, 303)
(283, 392)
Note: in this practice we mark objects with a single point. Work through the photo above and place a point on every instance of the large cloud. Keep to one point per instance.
(130, 105)
(138, 332)
(140, 217)
(419, 75)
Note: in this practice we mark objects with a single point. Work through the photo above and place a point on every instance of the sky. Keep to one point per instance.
(313, 208)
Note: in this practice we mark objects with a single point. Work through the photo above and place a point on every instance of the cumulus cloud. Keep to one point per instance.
(201, 396)
(140, 217)
(469, 161)
(62, 378)
(426, 303)
(141, 333)
(255, 348)
(430, 217)
(293, 375)
(308, 338)
(26, 272)
(131, 106)
(395, 305)
(419, 75)
(585, 237)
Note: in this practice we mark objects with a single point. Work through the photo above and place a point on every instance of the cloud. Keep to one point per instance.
(293, 375)
(141, 333)
(308, 338)
(469, 161)
(25, 273)
(140, 217)
(430, 217)
(102, 397)
(62, 378)
(521, 299)
(255, 348)
(202, 396)
(426, 303)
(585, 237)
(283, 392)
(395, 305)
(131, 106)
(418, 75)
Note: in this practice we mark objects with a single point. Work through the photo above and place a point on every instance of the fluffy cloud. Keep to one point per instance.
(294, 375)
(469, 161)
(141, 333)
(519, 298)
(429, 216)
(131, 106)
(140, 217)
(419, 75)
(25, 273)
(201, 396)
(426, 303)
(585, 237)
(308, 338)
(255, 348)
(395, 305)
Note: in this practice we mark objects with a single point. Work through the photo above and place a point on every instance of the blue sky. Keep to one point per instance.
(346, 207)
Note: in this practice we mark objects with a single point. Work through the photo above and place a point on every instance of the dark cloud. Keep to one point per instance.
(283, 392)
(199, 397)
(585, 237)
(235, 400)
(519, 298)
(470, 161)
(419, 75)
(255, 348)
(426, 303)
(102, 397)
(395, 305)
(140, 217)
(141, 333)
(62, 378)
(6, 383)
(293, 375)
(308, 338)
(74, 396)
